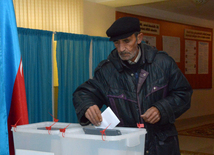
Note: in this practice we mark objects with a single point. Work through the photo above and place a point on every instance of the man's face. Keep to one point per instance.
(128, 48)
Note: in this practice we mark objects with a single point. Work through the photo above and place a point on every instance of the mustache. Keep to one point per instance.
(124, 52)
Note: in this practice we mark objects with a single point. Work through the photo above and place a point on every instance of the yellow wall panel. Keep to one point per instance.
(55, 70)
(51, 15)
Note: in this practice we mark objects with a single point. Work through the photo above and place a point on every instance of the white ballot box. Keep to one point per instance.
(35, 139)
(117, 141)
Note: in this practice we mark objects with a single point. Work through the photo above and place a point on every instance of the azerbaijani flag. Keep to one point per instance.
(13, 104)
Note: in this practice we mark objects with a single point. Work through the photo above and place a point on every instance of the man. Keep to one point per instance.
(141, 85)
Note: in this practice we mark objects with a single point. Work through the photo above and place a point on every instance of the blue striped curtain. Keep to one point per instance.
(36, 51)
(73, 69)
(102, 47)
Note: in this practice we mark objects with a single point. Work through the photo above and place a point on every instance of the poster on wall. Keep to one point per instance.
(203, 50)
(197, 35)
(150, 28)
(150, 40)
(190, 57)
(171, 45)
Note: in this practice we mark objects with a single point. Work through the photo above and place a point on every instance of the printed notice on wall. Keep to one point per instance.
(203, 50)
(171, 45)
(199, 35)
(151, 28)
(190, 57)
(150, 40)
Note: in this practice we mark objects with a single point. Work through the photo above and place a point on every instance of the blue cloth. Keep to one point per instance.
(102, 47)
(73, 69)
(9, 64)
(36, 50)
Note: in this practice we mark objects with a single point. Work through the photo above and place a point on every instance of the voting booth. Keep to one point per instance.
(55, 138)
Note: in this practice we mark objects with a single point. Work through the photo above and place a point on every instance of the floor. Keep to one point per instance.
(196, 144)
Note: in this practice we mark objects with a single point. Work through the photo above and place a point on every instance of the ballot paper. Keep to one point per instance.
(109, 119)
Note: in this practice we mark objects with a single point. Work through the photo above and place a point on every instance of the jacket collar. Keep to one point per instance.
(148, 55)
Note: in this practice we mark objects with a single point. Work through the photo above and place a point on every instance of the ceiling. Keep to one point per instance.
(196, 8)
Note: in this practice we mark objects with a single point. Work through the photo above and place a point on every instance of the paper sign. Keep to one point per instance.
(29, 152)
(110, 120)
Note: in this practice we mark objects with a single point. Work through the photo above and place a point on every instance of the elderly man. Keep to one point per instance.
(141, 85)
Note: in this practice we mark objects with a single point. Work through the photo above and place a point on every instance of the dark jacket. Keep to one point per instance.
(158, 82)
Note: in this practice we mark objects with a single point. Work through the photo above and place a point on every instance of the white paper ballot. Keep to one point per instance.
(110, 120)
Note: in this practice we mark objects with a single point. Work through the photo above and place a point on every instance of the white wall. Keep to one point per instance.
(97, 19)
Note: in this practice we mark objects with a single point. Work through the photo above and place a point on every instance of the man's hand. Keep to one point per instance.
(93, 114)
(152, 115)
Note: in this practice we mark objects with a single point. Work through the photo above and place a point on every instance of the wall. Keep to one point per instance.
(97, 18)
(72, 16)
(51, 15)
(202, 99)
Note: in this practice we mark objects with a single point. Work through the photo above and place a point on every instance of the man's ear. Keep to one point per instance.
(139, 38)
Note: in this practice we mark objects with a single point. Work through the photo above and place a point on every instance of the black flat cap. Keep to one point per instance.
(123, 28)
